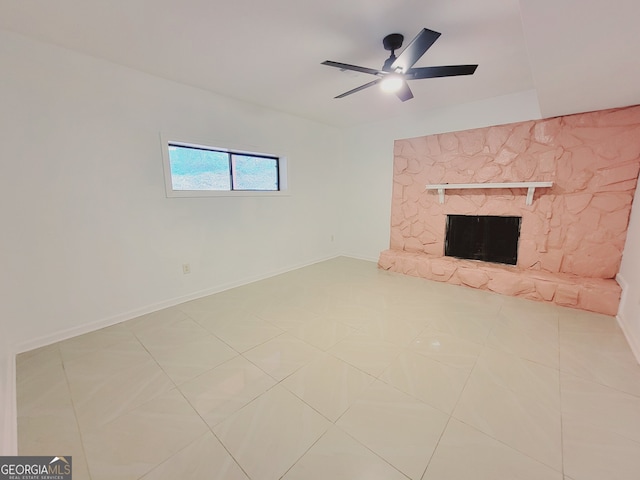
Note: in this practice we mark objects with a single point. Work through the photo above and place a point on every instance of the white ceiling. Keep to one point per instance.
(579, 55)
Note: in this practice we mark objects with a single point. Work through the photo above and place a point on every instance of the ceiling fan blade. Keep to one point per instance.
(444, 71)
(405, 92)
(355, 68)
(412, 53)
(361, 87)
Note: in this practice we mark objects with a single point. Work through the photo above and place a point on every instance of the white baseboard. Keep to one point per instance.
(624, 286)
(360, 257)
(8, 408)
(634, 343)
(624, 322)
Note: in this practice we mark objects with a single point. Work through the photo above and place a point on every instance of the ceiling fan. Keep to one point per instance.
(397, 70)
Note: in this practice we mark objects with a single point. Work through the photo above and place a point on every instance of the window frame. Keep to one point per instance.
(173, 140)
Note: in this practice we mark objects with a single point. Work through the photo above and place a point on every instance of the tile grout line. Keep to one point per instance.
(210, 429)
(75, 410)
(451, 413)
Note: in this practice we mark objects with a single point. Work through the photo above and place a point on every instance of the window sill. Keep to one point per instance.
(234, 193)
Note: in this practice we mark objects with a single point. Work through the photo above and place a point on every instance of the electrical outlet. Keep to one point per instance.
(186, 268)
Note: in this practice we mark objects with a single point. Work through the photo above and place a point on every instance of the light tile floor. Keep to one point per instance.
(340, 371)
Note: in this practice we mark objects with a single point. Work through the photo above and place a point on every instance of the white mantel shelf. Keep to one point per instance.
(530, 186)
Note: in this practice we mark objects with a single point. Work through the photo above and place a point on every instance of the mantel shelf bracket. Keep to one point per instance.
(530, 186)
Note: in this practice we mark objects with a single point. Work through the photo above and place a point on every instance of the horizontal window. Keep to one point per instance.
(196, 170)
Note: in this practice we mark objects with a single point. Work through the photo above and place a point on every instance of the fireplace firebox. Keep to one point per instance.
(488, 238)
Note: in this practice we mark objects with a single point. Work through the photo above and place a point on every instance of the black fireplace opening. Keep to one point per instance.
(483, 237)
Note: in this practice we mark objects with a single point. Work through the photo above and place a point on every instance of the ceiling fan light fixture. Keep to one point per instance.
(391, 83)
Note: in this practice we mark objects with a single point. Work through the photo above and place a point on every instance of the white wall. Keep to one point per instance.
(368, 166)
(89, 233)
(629, 278)
(89, 237)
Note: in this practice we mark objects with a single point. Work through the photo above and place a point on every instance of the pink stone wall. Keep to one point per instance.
(576, 228)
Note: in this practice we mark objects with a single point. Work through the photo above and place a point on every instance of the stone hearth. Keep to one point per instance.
(593, 294)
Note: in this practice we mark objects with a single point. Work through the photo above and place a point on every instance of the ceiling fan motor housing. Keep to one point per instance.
(393, 41)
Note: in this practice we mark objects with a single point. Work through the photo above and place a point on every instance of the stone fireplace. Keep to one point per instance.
(571, 235)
